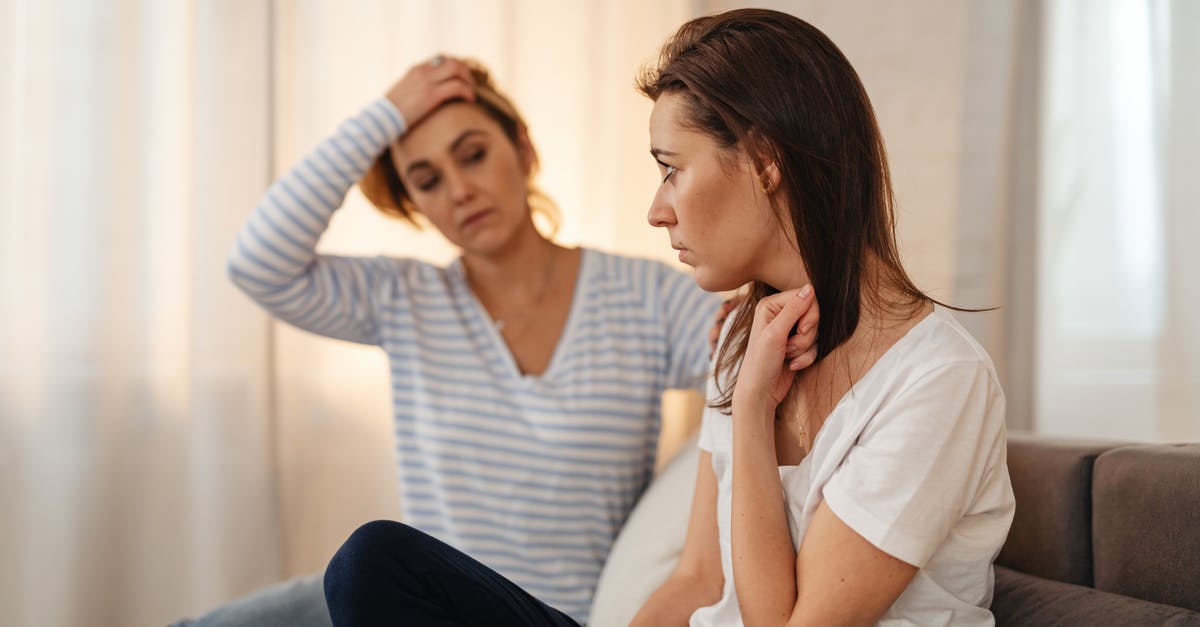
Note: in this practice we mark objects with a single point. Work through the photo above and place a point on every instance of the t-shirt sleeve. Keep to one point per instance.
(688, 313)
(921, 461)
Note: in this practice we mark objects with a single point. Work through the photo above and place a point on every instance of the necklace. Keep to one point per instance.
(791, 413)
(801, 427)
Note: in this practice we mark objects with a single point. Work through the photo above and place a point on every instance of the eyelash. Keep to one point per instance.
(473, 157)
(670, 170)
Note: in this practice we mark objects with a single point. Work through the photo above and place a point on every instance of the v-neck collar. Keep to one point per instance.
(509, 362)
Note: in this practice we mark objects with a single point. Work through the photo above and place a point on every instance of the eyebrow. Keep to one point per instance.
(424, 163)
(659, 152)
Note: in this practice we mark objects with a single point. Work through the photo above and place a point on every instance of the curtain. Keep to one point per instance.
(1117, 350)
(135, 452)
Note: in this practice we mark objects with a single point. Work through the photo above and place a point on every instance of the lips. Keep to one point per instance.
(474, 218)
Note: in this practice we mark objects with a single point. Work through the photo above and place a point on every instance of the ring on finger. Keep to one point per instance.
(437, 60)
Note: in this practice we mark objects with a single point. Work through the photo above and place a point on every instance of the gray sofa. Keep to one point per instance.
(1105, 533)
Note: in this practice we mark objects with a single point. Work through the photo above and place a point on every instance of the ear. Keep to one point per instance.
(770, 177)
(526, 152)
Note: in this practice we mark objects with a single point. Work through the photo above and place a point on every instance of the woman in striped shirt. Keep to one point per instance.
(526, 376)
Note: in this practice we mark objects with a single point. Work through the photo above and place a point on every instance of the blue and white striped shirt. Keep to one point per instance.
(531, 475)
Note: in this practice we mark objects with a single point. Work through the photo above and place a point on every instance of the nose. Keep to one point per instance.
(661, 213)
(459, 184)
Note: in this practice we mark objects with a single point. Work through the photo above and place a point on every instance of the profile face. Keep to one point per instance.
(466, 176)
(711, 202)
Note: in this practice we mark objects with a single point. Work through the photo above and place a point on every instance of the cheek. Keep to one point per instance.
(434, 208)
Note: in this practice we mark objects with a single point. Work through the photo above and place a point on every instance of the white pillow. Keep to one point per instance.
(649, 544)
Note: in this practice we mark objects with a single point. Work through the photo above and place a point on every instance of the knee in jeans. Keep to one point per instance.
(369, 544)
(363, 554)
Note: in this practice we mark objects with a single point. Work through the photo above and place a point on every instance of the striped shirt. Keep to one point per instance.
(531, 475)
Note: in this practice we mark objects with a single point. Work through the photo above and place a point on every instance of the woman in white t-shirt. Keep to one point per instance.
(870, 487)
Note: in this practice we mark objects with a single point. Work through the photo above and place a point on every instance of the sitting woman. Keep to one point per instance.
(870, 487)
(867, 487)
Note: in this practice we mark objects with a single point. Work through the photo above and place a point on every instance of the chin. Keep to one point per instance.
(489, 240)
(710, 281)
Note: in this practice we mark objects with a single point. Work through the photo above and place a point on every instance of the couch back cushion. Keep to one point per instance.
(1051, 535)
(1146, 523)
(1022, 599)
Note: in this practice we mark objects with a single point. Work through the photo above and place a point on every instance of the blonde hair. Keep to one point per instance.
(384, 189)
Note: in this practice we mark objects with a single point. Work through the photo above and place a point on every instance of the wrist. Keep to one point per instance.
(753, 409)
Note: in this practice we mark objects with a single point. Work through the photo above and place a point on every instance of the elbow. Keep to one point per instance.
(234, 263)
(238, 269)
(707, 584)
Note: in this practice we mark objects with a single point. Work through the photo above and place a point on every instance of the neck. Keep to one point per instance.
(782, 267)
(518, 269)
(886, 313)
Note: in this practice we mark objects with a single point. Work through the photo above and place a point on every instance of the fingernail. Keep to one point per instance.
(804, 291)
(795, 365)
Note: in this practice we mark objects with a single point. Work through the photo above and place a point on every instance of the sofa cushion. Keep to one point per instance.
(648, 547)
(1051, 534)
(1022, 599)
(1146, 523)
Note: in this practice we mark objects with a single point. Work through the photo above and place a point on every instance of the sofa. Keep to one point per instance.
(1105, 533)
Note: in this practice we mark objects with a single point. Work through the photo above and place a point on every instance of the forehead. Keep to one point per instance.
(665, 116)
(440, 130)
(667, 128)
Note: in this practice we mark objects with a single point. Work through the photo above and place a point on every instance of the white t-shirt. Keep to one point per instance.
(913, 459)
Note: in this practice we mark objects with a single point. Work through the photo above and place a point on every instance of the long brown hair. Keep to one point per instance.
(384, 189)
(773, 85)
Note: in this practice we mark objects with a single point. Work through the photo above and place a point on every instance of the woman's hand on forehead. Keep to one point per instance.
(427, 85)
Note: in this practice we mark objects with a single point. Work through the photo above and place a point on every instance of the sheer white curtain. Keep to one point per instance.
(1117, 346)
(163, 445)
(135, 460)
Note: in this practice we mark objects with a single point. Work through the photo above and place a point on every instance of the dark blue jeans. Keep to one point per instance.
(388, 573)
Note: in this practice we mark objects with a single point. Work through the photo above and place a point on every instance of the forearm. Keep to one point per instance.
(274, 260)
(278, 242)
(764, 560)
(675, 601)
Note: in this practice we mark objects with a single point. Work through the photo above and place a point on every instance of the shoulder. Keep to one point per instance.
(940, 344)
(936, 380)
(629, 267)
(406, 273)
(649, 280)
